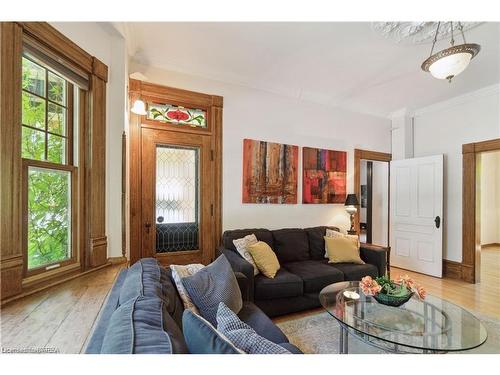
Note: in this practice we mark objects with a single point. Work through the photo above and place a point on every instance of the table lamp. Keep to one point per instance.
(351, 204)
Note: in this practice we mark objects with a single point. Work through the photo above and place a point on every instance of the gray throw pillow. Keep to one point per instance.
(211, 285)
(243, 336)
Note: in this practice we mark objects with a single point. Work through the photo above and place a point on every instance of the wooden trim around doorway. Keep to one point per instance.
(470, 210)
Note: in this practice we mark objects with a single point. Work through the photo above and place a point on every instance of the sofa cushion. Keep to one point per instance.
(142, 325)
(147, 278)
(265, 258)
(243, 336)
(291, 245)
(284, 284)
(260, 322)
(229, 236)
(316, 241)
(315, 274)
(354, 272)
(211, 285)
(202, 338)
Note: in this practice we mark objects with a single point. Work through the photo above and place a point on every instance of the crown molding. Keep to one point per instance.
(458, 100)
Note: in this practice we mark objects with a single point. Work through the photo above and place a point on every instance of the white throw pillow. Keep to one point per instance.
(242, 244)
(178, 273)
(335, 233)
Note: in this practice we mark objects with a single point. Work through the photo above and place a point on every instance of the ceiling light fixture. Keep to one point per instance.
(451, 61)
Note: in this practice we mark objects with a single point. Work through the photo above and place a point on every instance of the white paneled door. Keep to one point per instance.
(417, 214)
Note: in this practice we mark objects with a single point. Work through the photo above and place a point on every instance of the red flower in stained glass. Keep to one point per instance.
(177, 115)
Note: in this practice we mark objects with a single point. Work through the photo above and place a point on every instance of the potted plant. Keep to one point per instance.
(391, 292)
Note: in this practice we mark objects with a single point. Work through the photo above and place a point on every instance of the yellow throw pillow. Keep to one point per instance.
(343, 250)
(265, 258)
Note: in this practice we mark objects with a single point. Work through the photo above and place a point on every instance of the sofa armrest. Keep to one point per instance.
(238, 264)
(243, 284)
(376, 255)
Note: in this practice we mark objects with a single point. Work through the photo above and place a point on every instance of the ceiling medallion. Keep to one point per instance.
(417, 32)
(451, 61)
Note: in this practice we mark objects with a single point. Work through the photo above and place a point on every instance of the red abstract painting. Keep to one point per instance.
(269, 172)
(324, 176)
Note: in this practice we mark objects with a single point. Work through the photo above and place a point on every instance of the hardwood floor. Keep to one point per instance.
(62, 317)
(59, 318)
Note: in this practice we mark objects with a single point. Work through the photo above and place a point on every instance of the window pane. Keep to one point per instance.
(56, 149)
(49, 225)
(57, 89)
(33, 111)
(33, 77)
(177, 115)
(177, 187)
(56, 119)
(33, 144)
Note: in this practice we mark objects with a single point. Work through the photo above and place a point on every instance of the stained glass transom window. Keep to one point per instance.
(177, 198)
(177, 115)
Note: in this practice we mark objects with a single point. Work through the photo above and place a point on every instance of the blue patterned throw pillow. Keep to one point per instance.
(211, 285)
(242, 335)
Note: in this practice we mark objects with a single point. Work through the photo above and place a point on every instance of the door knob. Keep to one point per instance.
(437, 221)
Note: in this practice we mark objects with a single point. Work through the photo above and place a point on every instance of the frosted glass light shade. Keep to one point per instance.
(450, 66)
(139, 108)
(452, 61)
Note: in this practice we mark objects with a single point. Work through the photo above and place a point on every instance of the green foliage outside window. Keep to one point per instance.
(49, 190)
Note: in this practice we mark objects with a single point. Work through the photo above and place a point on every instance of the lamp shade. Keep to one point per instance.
(351, 200)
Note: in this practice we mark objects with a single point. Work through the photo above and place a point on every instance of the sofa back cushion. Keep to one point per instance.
(316, 240)
(229, 236)
(148, 278)
(291, 245)
(142, 325)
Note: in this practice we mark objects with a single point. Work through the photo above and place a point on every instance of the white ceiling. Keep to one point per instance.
(344, 64)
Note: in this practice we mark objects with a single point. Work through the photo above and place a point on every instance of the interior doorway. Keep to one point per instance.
(480, 213)
(489, 217)
(371, 179)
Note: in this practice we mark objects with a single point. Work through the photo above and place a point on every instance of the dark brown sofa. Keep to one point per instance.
(304, 269)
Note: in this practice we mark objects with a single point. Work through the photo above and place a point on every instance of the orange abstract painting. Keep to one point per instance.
(269, 172)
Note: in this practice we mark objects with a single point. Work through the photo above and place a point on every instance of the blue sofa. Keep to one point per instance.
(143, 305)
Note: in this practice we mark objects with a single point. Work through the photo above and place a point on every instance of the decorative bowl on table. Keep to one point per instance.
(391, 292)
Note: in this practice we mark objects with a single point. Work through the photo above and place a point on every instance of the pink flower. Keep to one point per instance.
(421, 292)
(406, 281)
(369, 286)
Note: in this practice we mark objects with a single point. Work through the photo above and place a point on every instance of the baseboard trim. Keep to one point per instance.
(458, 271)
(117, 260)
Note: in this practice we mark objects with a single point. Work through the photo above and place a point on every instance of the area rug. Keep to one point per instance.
(319, 334)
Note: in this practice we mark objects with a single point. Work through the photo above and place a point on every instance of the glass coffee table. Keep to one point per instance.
(429, 326)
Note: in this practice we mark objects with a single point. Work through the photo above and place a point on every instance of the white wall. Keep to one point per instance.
(442, 129)
(380, 203)
(251, 113)
(103, 42)
(490, 197)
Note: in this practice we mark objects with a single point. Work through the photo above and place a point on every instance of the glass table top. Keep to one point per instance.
(433, 324)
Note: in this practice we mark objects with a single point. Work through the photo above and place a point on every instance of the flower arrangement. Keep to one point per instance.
(391, 292)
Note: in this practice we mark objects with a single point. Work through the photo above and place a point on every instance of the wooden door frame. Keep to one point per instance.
(213, 104)
(468, 269)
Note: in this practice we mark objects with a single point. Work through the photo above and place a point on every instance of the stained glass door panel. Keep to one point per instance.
(177, 198)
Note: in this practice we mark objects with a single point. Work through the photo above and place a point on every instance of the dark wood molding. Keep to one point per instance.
(213, 105)
(11, 256)
(470, 207)
(55, 40)
(90, 222)
(452, 270)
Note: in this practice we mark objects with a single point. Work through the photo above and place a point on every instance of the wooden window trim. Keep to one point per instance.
(90, 187)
